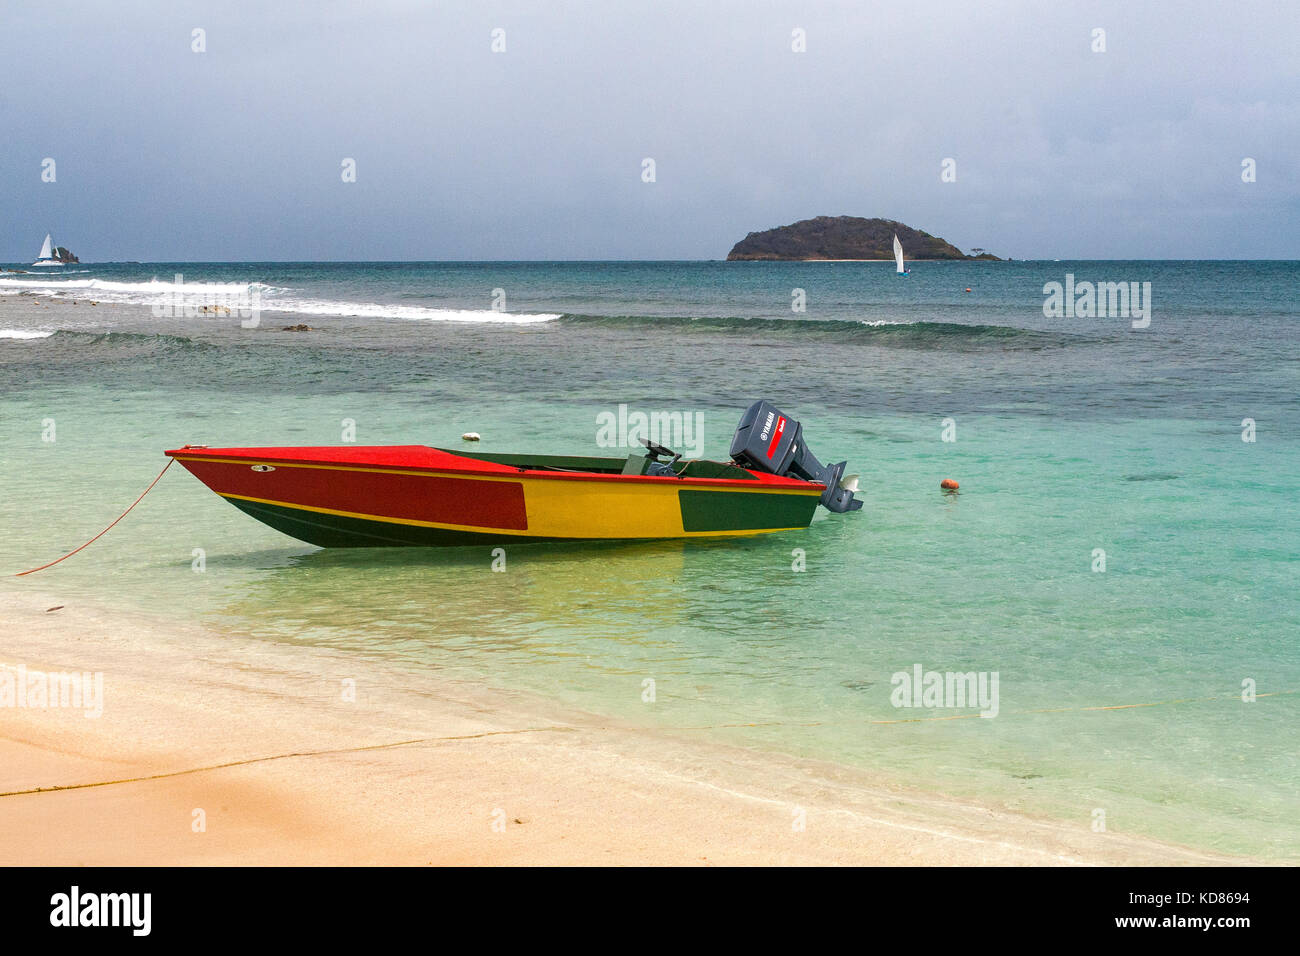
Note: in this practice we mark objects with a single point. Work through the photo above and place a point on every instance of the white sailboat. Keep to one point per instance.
(46, 258)
(898, 256)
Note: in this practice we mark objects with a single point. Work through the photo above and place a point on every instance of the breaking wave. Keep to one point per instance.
(24, 334)
(917, 334)
(122, 342)
(111, 291)
(375, 310)
(267, 297)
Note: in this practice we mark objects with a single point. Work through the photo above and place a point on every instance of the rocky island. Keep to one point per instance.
(845, 237)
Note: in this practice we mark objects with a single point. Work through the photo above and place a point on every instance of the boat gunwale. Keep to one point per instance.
(763, 484)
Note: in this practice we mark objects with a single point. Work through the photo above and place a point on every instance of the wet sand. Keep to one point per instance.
(214, 749)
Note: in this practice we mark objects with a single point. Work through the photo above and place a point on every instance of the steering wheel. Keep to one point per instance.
(657, 449)
(662, 469)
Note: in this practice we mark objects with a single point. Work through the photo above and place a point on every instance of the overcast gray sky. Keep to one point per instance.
(536, 153)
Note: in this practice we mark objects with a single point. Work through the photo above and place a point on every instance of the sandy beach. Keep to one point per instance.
(217, 750)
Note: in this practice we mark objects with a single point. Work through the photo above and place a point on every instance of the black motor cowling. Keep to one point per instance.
(766, 440)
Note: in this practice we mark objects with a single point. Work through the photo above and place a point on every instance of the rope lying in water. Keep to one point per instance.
(170, 461)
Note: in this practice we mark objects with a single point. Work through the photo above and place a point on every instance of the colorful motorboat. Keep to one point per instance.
(416, 495)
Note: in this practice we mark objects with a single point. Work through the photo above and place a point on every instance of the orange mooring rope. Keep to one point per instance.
(106, 530)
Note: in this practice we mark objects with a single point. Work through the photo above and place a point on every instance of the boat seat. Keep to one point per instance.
(635, 464)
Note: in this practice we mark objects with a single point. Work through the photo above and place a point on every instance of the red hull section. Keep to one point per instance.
(442, 500)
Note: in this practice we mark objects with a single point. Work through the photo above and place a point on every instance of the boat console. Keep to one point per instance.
(656, 467)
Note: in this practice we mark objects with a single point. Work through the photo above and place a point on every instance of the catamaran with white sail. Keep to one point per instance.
(52, 255)
(46, 258)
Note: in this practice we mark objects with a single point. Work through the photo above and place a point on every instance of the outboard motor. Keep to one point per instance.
(769, 441)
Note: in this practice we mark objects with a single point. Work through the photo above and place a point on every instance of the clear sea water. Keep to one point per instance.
(1072, 434)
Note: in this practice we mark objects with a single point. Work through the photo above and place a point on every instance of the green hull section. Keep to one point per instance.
(744, 511)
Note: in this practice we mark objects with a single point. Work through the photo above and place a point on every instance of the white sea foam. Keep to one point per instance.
(272, 299)
(23, 334)
(125, 291)
(374, 310)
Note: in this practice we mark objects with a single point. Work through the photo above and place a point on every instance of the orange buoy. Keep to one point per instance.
(949, 485)
(968, 288)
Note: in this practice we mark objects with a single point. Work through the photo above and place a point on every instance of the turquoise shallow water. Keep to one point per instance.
(1071, 435)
